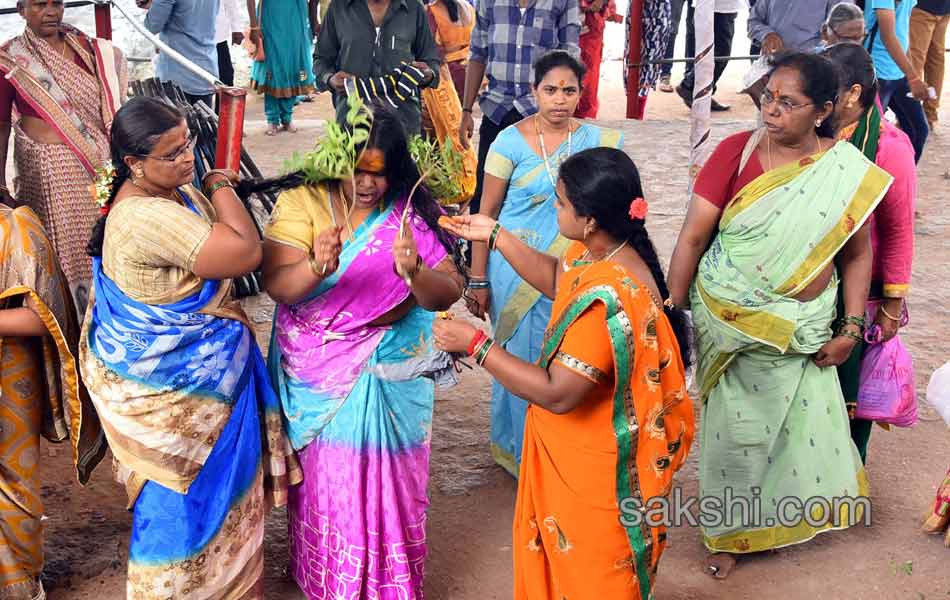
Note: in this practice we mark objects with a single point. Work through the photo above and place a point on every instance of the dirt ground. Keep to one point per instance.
(472, 500)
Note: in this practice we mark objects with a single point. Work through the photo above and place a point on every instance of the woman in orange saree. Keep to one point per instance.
(609, 420)
(40, 394)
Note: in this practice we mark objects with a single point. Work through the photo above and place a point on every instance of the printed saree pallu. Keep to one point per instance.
(40, 394)
(519, 313)
(356, 408)
(618, 449)
(78, 105)
(195, 428)
(775, 424)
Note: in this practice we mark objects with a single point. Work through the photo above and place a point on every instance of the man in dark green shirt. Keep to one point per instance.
(372, 38)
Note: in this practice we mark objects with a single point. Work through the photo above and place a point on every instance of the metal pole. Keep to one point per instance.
(636, 104)
(103, 20)
(703, 17)
(231, 103)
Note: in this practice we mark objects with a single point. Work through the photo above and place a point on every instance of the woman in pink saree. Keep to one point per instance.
(350, 349)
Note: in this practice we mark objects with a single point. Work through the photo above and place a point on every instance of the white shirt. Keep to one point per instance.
(230, 19)
(728, 6)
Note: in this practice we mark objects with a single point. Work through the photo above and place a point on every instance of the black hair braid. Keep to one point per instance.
(641, 243)
(601, 183)
(453, 10)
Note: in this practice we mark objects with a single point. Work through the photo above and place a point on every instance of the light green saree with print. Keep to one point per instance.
(774, 425)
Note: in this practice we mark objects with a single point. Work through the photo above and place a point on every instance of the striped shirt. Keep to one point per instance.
(508, 41)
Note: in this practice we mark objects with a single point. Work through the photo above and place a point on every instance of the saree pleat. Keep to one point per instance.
(769, 412)
(518, 311)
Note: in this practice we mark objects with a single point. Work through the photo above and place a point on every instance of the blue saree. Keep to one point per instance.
(519, 313)
(189, 413)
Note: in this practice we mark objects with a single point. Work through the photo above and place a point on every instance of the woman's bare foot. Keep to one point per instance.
(290, 128)
(271, 129)
(719, 565)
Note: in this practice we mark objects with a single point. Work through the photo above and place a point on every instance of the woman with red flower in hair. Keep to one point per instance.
(609, 420)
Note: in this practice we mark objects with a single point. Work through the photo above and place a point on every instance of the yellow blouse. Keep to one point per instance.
(299, 215)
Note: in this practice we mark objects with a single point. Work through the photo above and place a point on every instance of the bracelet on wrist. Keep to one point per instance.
(467, 110)
(477, 339)
(214, 187)
(849, 334)
(478, 285)
(493, 237)
(889, 315)
(318, 269)
(482, 353)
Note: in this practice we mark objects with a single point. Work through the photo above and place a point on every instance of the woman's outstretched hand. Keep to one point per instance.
(474, 228)
(452, 335)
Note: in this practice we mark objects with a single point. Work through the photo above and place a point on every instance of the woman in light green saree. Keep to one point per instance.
(783, 207)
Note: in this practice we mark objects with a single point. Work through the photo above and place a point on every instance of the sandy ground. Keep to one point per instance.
(472, 500)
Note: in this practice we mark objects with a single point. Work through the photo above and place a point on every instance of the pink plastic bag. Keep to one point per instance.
(886, 390)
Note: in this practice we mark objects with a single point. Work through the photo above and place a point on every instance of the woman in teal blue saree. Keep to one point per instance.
(520, 175)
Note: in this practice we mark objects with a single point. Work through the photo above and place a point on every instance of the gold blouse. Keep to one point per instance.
(151, 245)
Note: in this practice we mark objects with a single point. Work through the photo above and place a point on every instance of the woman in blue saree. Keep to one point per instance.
(520, 176)
(173, 370)
(355, 288)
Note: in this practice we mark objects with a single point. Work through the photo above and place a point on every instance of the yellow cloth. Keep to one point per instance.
(300, 214)
(151, 245)
(445, 112)
(40, 392)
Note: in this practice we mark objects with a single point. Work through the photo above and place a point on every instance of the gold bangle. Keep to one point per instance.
(889, 315)
(319, 272)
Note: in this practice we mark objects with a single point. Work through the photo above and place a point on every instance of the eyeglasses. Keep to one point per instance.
(785, 106)
(845, 38)
(188, 147)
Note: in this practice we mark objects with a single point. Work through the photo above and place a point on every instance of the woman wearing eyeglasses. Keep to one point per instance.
(776, 224)
(173, 370)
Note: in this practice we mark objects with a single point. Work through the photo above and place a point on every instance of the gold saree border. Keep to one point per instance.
(870, 191)
(771, 538)
(759, 325)
(524, 298)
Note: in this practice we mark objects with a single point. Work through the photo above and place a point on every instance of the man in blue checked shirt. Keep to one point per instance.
(509, 36)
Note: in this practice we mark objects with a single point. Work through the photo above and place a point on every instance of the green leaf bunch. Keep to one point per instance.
(441, 164)
(335, 155)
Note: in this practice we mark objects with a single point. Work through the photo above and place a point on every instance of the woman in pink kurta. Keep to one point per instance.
(858, 117)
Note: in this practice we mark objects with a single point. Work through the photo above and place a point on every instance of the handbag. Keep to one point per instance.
(886, 391)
